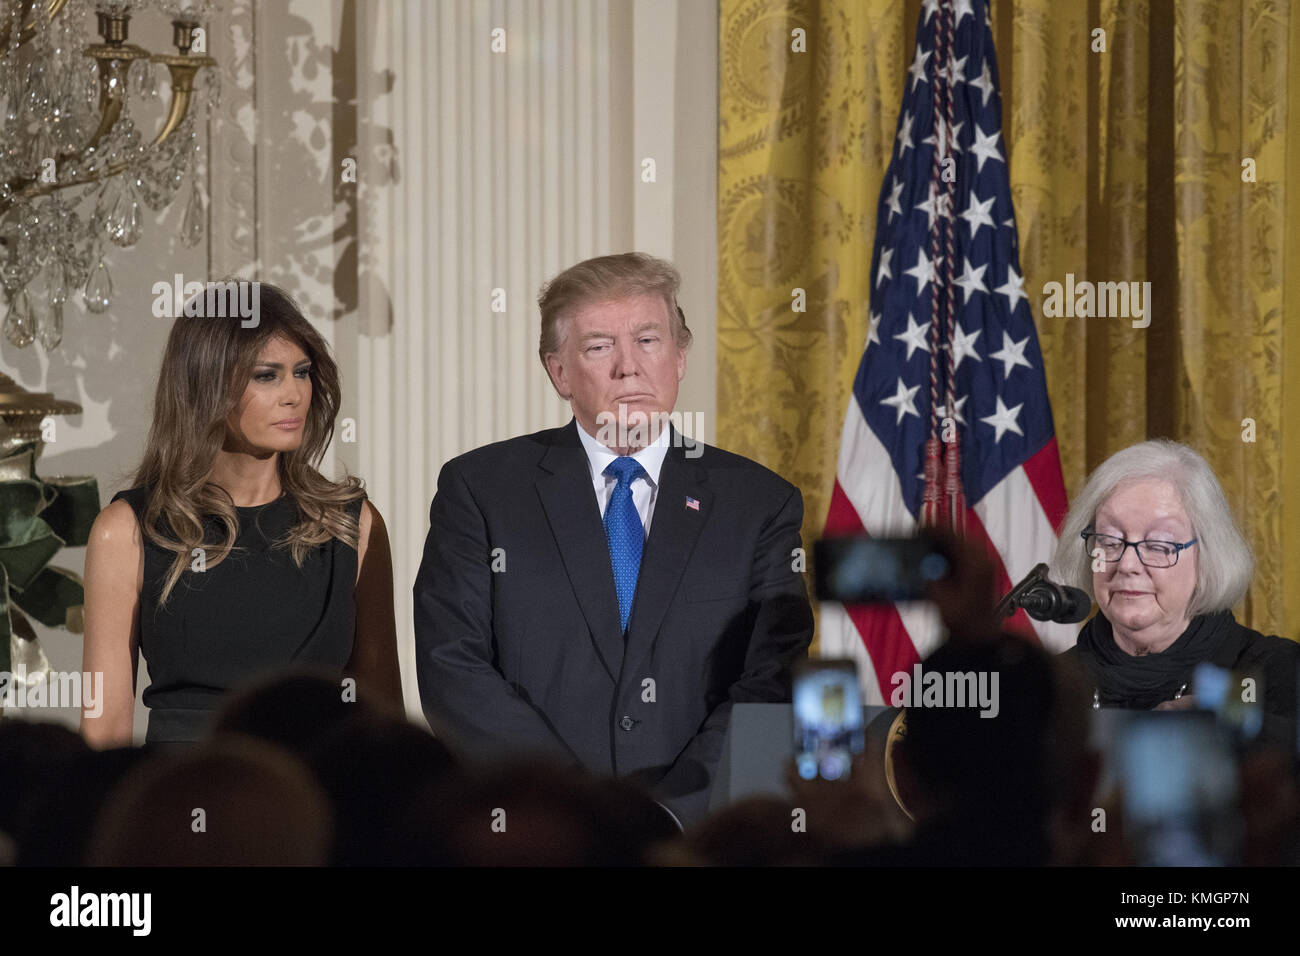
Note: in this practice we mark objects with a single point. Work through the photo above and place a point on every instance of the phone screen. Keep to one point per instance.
(862, 570)
(1178, 780)
(1237, 699)
(828, 725)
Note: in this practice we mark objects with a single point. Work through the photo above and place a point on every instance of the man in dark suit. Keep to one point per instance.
(602, 593)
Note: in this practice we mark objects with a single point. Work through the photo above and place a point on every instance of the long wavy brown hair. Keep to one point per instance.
(206, 367)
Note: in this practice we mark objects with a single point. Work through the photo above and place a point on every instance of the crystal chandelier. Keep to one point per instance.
(73, 165)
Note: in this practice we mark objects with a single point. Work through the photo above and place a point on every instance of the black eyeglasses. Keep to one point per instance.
(1154, 554)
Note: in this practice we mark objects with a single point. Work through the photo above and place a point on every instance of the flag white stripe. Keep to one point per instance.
(839, 638)
(868, 480)
(866, 473)
(1015, 522)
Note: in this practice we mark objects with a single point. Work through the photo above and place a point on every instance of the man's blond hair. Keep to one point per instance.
(604, 279)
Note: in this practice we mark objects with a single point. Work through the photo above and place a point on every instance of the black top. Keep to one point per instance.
(252, 614)
(1122, 680)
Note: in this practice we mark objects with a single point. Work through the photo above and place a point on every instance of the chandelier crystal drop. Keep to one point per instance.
(99, 288)
(18, 323)
(192, 224)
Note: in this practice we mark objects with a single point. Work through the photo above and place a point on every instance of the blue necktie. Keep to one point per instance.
(624, 532)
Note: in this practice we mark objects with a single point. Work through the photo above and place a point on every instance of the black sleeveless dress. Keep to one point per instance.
(254, 614)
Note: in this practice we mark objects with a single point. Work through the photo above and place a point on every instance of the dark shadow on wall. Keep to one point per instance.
(325, 139)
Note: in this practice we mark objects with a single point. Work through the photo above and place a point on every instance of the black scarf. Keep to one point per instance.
(1124, 680)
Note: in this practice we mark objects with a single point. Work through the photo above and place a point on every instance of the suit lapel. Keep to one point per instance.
(569, 498)
(674, 529)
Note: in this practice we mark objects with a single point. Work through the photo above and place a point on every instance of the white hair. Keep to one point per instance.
(1224, 562)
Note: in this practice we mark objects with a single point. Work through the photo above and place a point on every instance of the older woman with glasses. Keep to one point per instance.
(1152, 539)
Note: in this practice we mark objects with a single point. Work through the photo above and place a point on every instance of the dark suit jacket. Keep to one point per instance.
(530, 658)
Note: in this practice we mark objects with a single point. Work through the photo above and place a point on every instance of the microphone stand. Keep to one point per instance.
(1011, 601)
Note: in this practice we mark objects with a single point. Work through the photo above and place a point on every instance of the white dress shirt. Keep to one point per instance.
(644, 489)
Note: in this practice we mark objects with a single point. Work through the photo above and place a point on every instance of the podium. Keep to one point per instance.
(760, 745)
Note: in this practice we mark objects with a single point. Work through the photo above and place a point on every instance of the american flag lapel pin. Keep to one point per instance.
(692, 503)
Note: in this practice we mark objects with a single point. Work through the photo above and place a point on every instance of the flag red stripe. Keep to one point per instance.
(878, 625)
(887, 641)
(842, 517)
(1043, 469)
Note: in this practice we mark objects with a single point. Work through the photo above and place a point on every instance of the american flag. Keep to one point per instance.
(1010, 469)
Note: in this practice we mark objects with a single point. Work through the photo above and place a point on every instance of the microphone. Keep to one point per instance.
(1047, 601)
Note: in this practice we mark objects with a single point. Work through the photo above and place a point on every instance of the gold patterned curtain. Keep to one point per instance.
(1133, 163)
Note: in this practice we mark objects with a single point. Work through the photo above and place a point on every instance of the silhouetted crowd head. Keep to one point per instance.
(293, 776)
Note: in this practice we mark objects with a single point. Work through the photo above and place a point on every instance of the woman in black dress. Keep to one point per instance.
(232, 557)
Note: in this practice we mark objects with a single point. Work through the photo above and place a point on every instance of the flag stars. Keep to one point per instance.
(1004, 420)
(1011, 354)
(914, 336)
(971, 280)
(902, 400)
(905, 135)
(986, 147)
(957, 405)
(1013, 289)
(917, 69)
(963, 345)
(936, 204)
(892, 202)
(940, 140)
(957, 73)
(943, 137)
(923, 271)
(985, 83)
(977, 214)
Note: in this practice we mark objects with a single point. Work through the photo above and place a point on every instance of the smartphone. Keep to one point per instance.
(828, 726)
(1235, 698)
(863, 570)
(1178, 782)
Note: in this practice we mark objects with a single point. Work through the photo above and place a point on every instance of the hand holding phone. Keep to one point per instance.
(935, 565)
